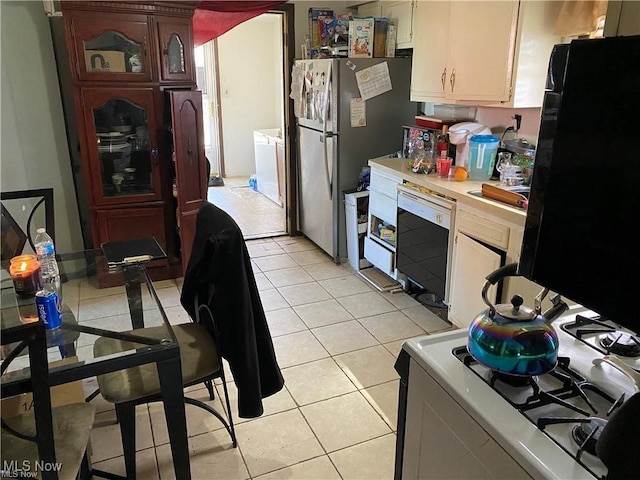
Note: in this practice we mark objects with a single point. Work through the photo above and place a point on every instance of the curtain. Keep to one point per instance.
(213, 18)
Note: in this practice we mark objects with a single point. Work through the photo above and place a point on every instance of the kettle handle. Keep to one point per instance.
(508, 270)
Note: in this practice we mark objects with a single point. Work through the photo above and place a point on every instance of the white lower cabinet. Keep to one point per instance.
(472, 262)
(481, 245)
(443, 441)
(380, 244)
(379, 256)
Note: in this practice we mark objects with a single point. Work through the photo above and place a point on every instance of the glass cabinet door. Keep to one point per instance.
(175, 49)
(122, 146)
(109, 50)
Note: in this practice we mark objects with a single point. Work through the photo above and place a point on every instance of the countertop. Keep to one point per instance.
(451, 188)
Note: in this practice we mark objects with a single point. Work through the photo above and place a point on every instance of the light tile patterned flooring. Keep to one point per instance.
(255, 214)
(336, 340)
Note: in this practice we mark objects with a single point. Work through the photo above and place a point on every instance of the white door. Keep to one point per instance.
(207, 80)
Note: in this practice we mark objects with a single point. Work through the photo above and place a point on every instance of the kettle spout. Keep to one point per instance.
(557, 309)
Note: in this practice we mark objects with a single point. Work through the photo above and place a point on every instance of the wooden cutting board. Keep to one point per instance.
(504, 196)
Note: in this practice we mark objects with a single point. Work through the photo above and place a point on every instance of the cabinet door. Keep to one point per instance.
(482, 38)
(472, 262)
(401, 14)
(372, 9)
(126, 223)
(176, 47)
(120, 145)
(429, 76)
(190, 164)
(111, 49)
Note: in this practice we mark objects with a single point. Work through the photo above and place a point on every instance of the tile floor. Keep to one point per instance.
(336, 340)
(255, 214)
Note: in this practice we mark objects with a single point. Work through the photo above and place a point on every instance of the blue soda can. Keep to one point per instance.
(49, 310)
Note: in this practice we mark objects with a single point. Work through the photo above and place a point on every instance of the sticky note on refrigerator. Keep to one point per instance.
(358, 111)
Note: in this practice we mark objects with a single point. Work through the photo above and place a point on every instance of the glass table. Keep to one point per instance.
(90, 313)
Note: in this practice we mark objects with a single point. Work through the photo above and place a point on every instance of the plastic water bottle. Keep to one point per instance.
(46, 253)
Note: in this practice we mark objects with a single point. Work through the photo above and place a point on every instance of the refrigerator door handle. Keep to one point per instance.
(326, 164)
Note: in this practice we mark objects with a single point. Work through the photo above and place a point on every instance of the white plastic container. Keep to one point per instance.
(482, 156)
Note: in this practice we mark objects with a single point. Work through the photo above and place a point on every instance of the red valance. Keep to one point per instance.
(213, 18)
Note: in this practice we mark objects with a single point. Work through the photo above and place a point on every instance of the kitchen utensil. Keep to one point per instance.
(618, 445)
(521, 147)
(459, 135)
(443, 165)
(621, 366)
(504, 166)
(514, 339)
(482, 156)
(505, 196)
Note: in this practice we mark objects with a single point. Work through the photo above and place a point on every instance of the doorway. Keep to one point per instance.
(244, 77)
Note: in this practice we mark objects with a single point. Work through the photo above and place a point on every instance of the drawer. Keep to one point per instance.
(384, 184)
(483, 229)
(383, 207)
(379, 256)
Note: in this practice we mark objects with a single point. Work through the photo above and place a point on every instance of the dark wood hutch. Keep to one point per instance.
(139, 122)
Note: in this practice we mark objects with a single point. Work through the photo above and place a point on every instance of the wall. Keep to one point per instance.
(251, 88)
(34, 152)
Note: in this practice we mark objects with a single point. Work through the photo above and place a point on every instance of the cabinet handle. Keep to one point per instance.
(452, 79)
(154, 156)
(190, 152)
(443, 78)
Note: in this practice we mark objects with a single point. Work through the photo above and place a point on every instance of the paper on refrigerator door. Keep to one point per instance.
(297, 87)
(320, 86)
(358, 109)
(374, 80)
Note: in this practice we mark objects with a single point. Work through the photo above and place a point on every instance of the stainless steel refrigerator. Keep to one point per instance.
(340, 128)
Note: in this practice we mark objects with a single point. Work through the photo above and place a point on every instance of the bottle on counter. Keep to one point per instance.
(442, 143)
(46, 253)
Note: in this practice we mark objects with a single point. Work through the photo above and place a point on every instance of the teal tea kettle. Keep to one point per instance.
(511, 338)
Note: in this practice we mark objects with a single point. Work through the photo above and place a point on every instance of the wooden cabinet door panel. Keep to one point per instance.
(472, 263)
(128, 223)
(429, 75)
(175, 43)
(142, 100)
(190, 163)
(111, 49)
(401, 14)
(482, 39)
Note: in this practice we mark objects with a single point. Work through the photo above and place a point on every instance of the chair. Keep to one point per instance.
(201, 363)
(16, 230)
(49, 435)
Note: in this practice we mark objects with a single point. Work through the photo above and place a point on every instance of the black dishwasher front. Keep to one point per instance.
(424, 246)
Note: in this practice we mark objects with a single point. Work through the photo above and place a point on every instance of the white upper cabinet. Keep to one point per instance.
(372, 9)
(400, 13)
(493, 53)
(429, 74)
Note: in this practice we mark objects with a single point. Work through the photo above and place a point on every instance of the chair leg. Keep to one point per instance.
(229, 414)
(126, 413)
(210, 389)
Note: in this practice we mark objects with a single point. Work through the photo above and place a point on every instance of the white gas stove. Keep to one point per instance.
(547, 424)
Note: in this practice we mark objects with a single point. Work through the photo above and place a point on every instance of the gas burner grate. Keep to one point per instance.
(621, 343)
(561, 396)
(612, 340)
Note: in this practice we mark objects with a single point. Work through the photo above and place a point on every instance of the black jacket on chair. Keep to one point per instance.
(219, 273)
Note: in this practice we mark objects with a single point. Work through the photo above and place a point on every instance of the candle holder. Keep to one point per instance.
(25, 273)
